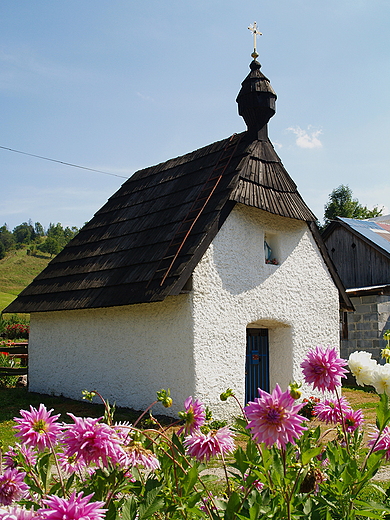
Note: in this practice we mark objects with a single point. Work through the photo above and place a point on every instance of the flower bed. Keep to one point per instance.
(283, 467)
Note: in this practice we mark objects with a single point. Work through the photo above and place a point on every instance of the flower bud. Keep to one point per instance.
(167, 403)
(295, 393)
(228, 393)
(87, 395)
(164, 397)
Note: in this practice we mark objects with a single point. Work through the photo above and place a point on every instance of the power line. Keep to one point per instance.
(62, 162)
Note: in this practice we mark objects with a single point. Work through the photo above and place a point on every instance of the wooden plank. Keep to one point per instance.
(13, 371)
(15, 350)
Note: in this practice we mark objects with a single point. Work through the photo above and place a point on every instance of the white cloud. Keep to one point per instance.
(144, 97)
(306, 138)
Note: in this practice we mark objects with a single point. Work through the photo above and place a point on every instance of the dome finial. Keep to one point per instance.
(256, 33)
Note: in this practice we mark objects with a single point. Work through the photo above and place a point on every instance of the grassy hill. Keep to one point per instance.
(17, 270)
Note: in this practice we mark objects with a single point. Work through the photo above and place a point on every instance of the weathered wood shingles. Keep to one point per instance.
(115, 259)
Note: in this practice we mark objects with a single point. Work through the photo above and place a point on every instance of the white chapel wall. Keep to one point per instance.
(233, 288)
(195, 344)
(126, 353)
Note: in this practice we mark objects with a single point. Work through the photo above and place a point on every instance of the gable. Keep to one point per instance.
(359, 261)
(143, 244)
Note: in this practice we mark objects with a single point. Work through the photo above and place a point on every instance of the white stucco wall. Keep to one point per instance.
(234, 288)
(126, 353)
(195, 343)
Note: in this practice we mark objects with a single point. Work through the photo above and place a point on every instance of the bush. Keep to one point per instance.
(17, 331)
(7, 361)
(16, 326)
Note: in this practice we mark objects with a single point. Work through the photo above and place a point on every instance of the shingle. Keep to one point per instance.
(120, 256)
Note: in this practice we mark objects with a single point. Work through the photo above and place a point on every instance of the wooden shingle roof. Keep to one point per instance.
(144, 243)
(123, 254)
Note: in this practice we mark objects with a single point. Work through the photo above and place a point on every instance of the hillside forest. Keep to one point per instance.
(24, 253)
(34, 238)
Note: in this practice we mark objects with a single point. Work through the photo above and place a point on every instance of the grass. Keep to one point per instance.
(6, 299)
(17, 270)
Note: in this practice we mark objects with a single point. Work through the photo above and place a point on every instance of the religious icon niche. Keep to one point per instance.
(270, 247)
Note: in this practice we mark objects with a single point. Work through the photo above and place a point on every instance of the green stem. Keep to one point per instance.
(287, 497)
(143, 413)
(107, 408)
(57, 464)
(175, 462)
(343, 423)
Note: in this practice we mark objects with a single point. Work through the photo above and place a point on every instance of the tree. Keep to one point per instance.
(61, 235)
(24, 233)
(51, 246)
(341, 204)
(6, 238)
(39, 231)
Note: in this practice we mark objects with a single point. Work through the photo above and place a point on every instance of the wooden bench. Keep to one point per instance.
(18, 350)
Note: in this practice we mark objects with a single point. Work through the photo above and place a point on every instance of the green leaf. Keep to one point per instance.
(112, 512)
(310, 454)
(44, 469)
(382, 412)
(241, 461)
(378, 488)
(129, 509)
(190, 479)
(69, 481)
(152, 504)
(254, 511)
(193, 499)
(369, 514)
(232, 506)
(54, 489)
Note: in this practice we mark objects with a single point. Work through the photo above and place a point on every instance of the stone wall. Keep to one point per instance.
(366, 325)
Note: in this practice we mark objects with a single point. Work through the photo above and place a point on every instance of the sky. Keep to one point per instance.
(120, 85)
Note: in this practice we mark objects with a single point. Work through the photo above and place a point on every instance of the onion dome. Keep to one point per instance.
(256, 101)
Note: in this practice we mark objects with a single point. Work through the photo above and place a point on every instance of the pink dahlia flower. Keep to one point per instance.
(384, 441)
(76, 507)
(330, 410)
(12, 486)
(137, 455)
(38, 428)
(323, 368)
(353, 420)
(17, 513)
(204, 446)
(251, 480)
(91, 441)
(70, 464)
(273, 418)
(194, 416)
(19, 455)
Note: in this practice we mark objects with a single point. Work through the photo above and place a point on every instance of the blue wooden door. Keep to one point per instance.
(257, 363)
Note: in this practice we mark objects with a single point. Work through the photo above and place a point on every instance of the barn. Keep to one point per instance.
(203, 272)
(360, 250)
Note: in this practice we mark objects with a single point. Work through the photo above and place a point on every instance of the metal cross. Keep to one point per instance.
(256, 33)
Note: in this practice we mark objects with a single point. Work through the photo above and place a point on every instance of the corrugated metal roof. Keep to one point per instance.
(378, 234)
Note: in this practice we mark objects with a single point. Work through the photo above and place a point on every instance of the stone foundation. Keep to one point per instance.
(367, 325)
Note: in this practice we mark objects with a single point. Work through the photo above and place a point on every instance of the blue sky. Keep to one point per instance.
(119, 85)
